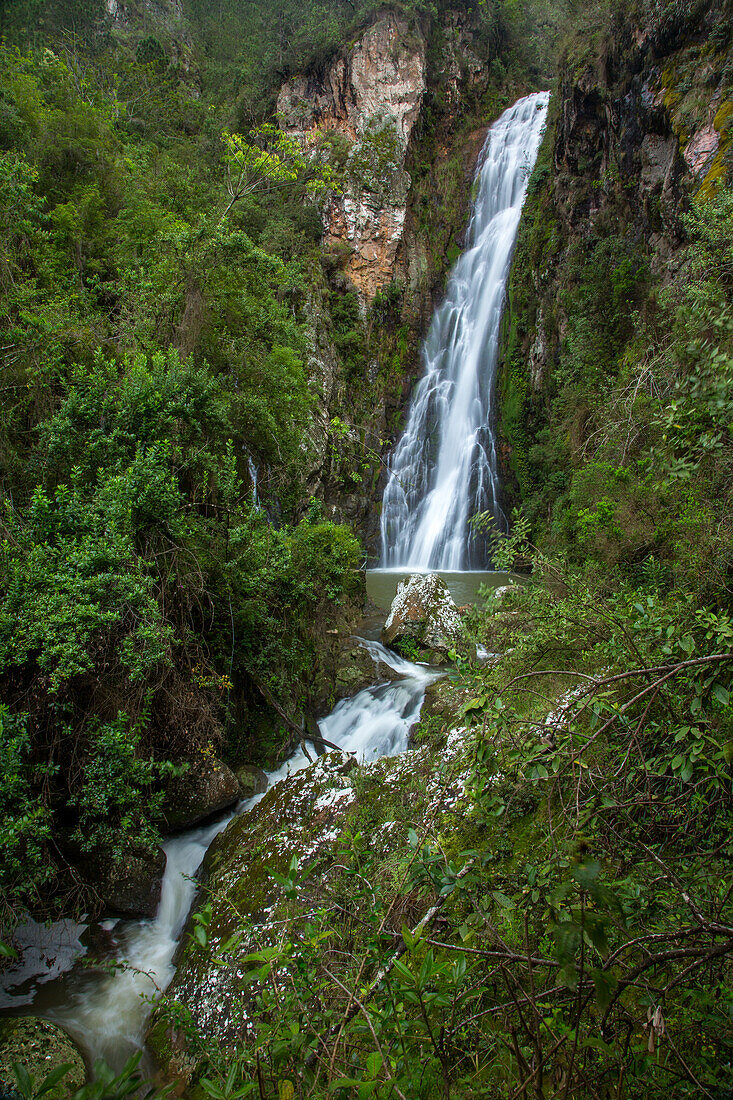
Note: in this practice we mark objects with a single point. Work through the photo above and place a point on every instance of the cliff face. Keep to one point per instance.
(405, 114)
(371, 99)
(637, 128)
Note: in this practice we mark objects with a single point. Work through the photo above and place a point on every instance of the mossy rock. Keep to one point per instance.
(40, 1047)
(204, 788)
(131, 886)
(424, 622)
(304, 816)
(252, 780)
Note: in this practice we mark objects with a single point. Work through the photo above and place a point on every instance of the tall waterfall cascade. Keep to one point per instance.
(444, 469)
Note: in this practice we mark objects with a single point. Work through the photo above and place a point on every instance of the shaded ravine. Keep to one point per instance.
(106, 1012)
(434, 488)
(444, 469)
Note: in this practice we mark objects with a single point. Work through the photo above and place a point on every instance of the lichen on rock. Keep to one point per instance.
(40, 1047)
(424, 615)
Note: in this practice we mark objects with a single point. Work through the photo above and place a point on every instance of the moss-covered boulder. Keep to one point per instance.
(424, 621)
(359, 667)
(252, 780)
(202, 787)
(40, 1047)
(284, 860)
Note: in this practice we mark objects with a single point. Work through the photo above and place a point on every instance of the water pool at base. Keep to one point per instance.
(381, 584)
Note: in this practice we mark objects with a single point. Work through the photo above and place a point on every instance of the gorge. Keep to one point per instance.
(292, 288)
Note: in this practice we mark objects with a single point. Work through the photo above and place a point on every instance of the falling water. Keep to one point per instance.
(444, 468)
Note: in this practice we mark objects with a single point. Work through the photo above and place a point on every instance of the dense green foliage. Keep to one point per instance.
(153, 334)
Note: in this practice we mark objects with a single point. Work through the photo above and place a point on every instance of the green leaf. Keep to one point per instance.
(53, 1078)
(373, 1064)
(404, 972)
(721, 694)
(478, 704)
(23, 1080)
(503, 900)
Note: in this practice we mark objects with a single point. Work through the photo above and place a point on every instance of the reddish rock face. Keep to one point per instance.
(702, 148)
(372, 96)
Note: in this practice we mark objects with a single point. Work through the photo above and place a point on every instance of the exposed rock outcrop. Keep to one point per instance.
(636, 128)
(206, 787)
(424, 615)
(371, 96)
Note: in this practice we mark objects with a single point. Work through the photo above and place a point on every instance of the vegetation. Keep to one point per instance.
(563, 926)
(152, 352)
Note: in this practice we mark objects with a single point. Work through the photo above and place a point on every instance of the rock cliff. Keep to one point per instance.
(637, 127)
(371, 98)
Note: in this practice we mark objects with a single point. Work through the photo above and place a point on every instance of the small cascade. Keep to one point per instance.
(444, 469)
(254, 474)
(107, 1013)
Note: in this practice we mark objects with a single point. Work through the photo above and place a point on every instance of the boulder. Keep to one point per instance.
(206, 787)
(358, 668)
(130, 886)
(252, 780)
(424, 617)
(40, 1047)
(311, 816)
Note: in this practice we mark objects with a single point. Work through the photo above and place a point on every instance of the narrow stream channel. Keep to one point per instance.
(106, 1010)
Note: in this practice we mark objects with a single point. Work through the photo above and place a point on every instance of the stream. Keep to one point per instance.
(105, 1010)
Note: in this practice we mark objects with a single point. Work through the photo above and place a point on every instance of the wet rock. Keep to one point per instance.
(131, 886)
(424, 616)
(206, 787)
(358, 668)
(41, 1047)
(252, 780)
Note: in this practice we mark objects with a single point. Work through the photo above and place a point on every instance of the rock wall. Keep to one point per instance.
(371, 96)
(636, 127)
(405, 112)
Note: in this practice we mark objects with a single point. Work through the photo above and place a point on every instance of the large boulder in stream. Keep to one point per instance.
(311, 816)
(424, 621)
(202, 788)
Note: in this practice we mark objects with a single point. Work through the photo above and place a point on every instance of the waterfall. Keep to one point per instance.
(444, 468)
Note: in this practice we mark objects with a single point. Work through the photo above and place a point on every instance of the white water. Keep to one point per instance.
(107, 1013)
(444, 468)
